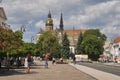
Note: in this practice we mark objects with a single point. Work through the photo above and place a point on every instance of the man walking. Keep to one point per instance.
(46, 61)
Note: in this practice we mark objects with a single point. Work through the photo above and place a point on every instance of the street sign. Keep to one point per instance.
(81, 57)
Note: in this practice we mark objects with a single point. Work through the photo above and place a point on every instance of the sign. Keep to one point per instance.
(81, 57)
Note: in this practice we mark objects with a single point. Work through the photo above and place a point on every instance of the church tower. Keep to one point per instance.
(61, 23)
(49, 22)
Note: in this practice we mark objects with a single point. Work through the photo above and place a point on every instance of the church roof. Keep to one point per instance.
(2, 13)
(49, 14)
(73, 35)
(74, 32)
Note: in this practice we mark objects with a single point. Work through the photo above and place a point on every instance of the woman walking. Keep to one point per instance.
(26, 64)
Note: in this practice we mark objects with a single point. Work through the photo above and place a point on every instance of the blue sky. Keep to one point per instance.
(81, 14)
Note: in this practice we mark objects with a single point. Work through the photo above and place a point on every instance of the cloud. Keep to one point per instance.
(111, 32)
(104, 16)
(101, 14)
(94, 14)
(40, 24)
(112, 29)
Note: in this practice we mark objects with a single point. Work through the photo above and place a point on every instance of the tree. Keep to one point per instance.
(10, 41)
(27, 48)
(65, 46)
(78, 47)
(48, 43)
(92, 43)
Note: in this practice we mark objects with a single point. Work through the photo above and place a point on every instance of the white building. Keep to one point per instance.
(3, 18)
(112, 49)
(115, 47)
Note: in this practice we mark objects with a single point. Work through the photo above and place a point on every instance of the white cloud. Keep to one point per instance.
(93, 12)
(56, 22)
(40, 24)
(112, 29)
(102, 14)
(105, 16)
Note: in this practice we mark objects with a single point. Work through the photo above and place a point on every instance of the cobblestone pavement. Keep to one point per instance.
(54, 72)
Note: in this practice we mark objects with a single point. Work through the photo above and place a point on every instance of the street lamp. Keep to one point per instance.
(32, 38)
(22, 29)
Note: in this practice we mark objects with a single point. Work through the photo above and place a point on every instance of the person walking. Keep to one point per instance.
(74, 60)
(26, 65)
(46, 61)
(53, 61)
(61, 60)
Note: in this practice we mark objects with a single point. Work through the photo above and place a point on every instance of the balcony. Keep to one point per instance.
(4, 25)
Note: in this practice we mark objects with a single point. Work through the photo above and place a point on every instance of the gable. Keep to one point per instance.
(2, 13)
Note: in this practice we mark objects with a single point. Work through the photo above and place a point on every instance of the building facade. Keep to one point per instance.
(112, 49)
(3, 19)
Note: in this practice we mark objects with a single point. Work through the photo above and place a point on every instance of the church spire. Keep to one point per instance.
(61, 23)
(49, 14)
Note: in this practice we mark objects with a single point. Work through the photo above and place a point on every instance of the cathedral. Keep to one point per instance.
(71, 33)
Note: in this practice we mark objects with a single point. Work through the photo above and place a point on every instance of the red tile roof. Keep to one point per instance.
(74, 32)
(117, 40)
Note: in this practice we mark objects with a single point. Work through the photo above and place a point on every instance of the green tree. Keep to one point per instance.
(65, 46)
(10, 41)
(78, 47)
(27, 48)
(48, 43)
(92, 44)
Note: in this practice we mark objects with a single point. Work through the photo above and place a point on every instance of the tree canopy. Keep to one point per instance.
(92, 43)
(48, 43)
(65, 46)
(78, 46)
(10, 42)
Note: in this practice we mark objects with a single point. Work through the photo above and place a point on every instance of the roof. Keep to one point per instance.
(74, 32)
(2, 13)
(117, 40)
(73, 35)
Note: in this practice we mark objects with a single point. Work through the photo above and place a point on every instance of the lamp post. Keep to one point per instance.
(32, 38)
(22, 28)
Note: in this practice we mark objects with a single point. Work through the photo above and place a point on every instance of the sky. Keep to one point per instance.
(80, 14)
